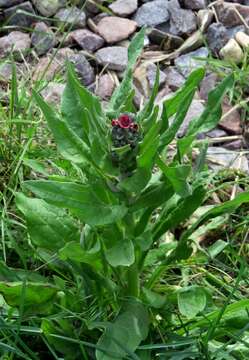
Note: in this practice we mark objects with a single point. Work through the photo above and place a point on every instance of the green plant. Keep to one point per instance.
(102, 232)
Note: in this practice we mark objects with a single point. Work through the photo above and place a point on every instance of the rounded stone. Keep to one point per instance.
(114, 29)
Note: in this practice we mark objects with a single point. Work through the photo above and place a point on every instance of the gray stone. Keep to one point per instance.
(90, 6)
(152, 13)
(113, 57)
(231, 32)
(235, 145)
(195, 110)
(17, 43)
(43, 38)
(21, 20)
(231, 123)
(123, 7)
(71, 17)
(181, 21)
(114, 29)
(53, 93)
(195, 4)
(167, 42)
(47, 68)
(208, 84)
(9, 3)
(186, 63)
(229, 16)
(216, 37)
(232, 52)
(83, 69)
(173, 78)
(105, 87)
(219, 158)
(151, 75)
(216, 133)
(48, 7)
(5, 72)
(86, 39)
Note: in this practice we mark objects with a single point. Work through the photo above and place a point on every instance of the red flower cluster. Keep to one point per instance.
(125, 122)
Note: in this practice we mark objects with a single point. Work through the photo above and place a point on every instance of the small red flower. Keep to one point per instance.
(115, 122)
(124, 121)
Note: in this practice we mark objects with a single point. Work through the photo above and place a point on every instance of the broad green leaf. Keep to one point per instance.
(177, 175)
(148, 147)
(148, 109)
(171, 132)
(191, 301)
(74, 251)
(121, 254)
(154, 299)
(144, 240)
(137, 181)
(212, 113)
(153, 196)
(36, 166)
(172, 105)
(119, 96)
(184, 209)
(36, 298)
(69, 144)
(49, 227)
(123, 336)
(83, 200)
(73, 109)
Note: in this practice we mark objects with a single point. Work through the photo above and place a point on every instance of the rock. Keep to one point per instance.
(123, 7)
(242, 39)
(232, 52)
(86, 39)
(207, 84)
(216, 37)
(152, 13)
(232, 122)
(71, 17)
(105, 87)
(47, 68)
(229, 16)
(17, 43)
(53, 93)
(181, 21)
(173, 78)
(234, 145)
(219, 158)
(167, 42)
(195, 4)
(20, 20)
(64, 53)
(113, 57)
(48, 7)
(9, 3)
(5, 72)
(186, 63)
(195, 110)
(43, 38)
(231, 32)
(204, 19)
(163, 95)
(92, 6)
(114, 29)
(151, 75)
(216, 133)
(83, 69)
(144, 78)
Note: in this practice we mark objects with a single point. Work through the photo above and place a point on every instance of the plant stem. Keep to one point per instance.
(133, 281)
